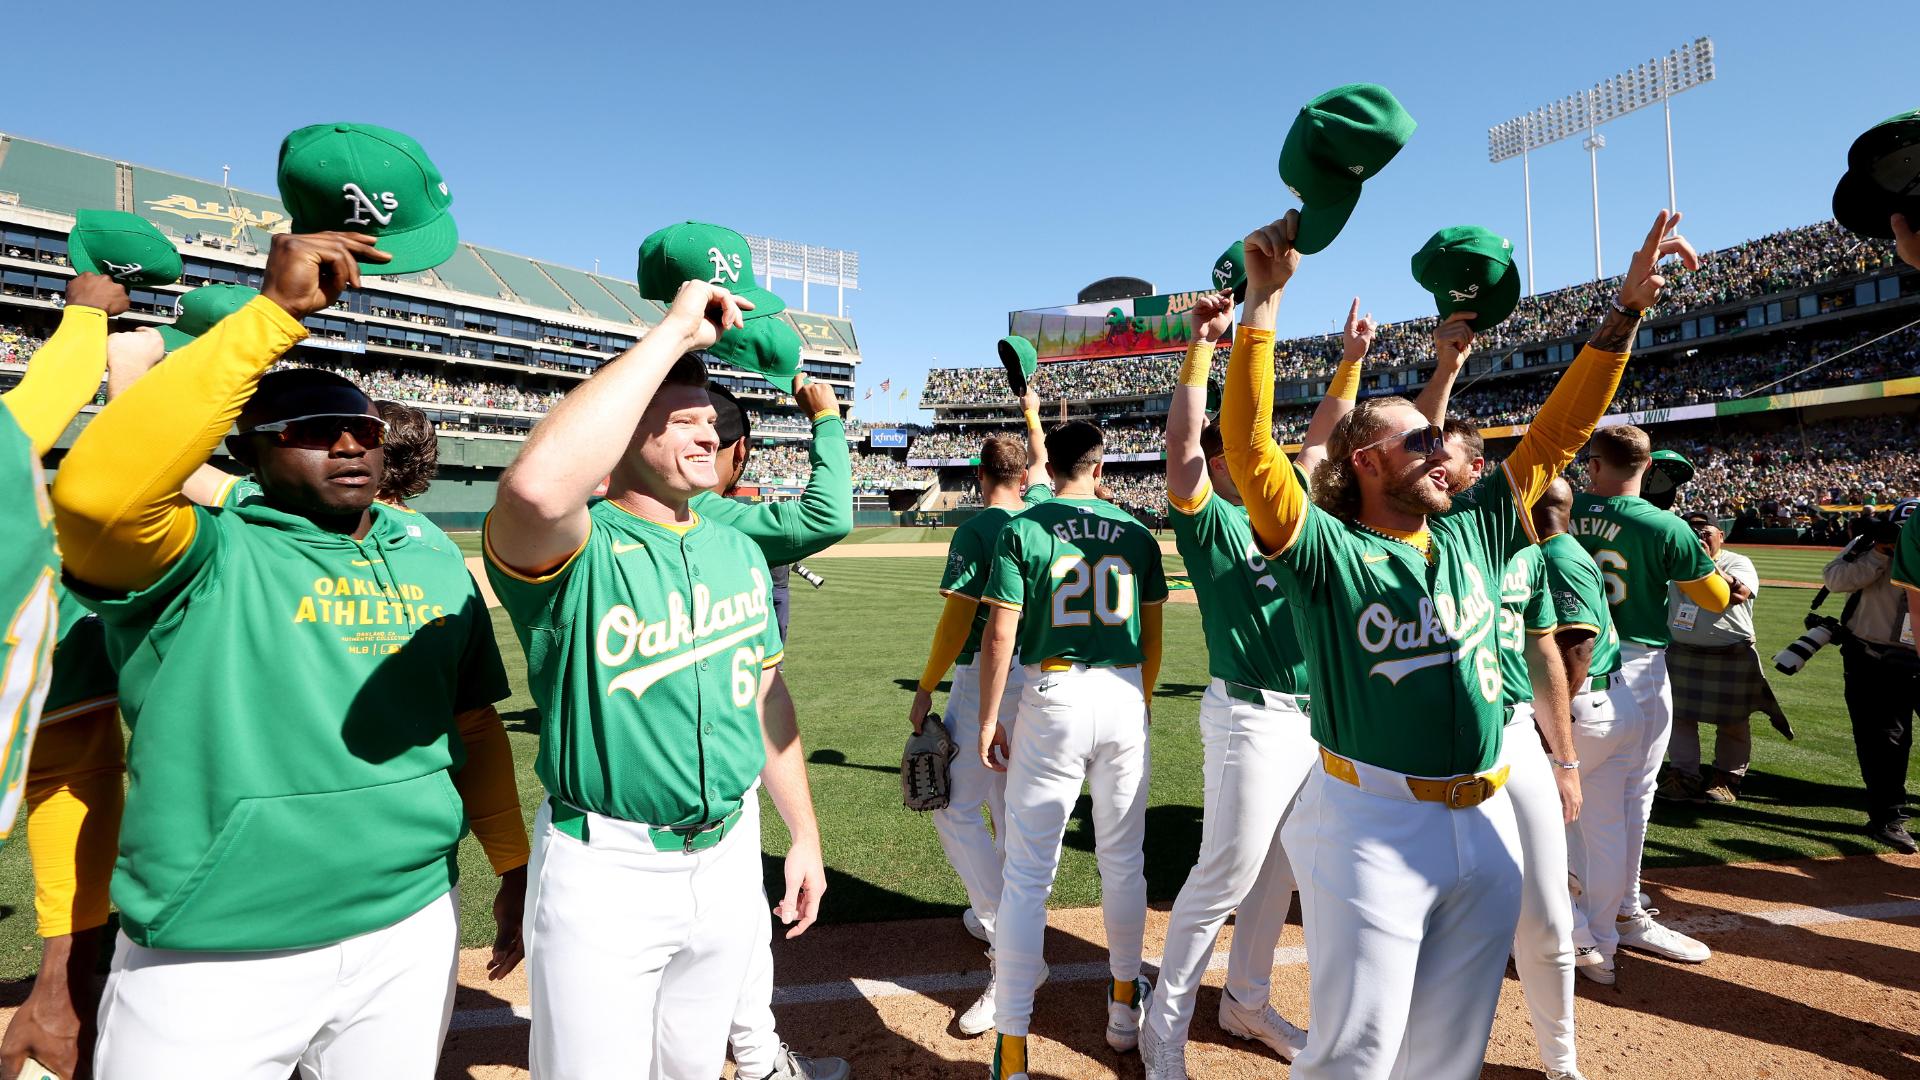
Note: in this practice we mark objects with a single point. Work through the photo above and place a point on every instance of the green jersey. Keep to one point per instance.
(1401, 649)
(1250, 634)
(645, 653)
(1525, 611)
(970, 560)
(29, 602)
(292, 695)
(83, 676)
(792, 530)
(1905, 571)
(1086, 566)
(1640, 549)
(1580, 599)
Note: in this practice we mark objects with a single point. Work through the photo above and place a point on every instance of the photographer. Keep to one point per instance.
(1883, 677)
(1717, 679)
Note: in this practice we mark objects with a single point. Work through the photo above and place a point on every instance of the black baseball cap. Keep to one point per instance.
(730, 417)
(1882, 178)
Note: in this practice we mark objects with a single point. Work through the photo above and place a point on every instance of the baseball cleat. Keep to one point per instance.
(1680, 787)
(978, 1017)
(1009, 1058)
(1639, 931)
(1894, 834)
(1594, 965)
(1162, 1060)
(1564, 1074)
(1264, 1024)
(1718, 794)
(792, 1066)
(974, 926)
(1123, 1017)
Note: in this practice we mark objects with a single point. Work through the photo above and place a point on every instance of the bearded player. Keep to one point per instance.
(1402, 839)
(1089, 578)
(258, 860)
(1253, 719)
(1006, 466)
(1640, 550)
(653, 656)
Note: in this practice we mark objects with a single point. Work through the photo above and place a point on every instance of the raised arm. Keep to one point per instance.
(1275, 501)
(1036, 435)
(539, 518)
(118, 501)
(822, 516)
(1342, 391)
(64, 374)
(1452, 341)
(1582, 395)
(1186, 462)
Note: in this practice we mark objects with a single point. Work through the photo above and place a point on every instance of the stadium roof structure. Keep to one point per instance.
(56, 180)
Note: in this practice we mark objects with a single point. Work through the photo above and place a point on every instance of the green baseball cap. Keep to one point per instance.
(1468, 268)
(1230, 270)
(367, 179)
(693, 251)
(126, 247)
(1882, 178)
(200, 309)
(1017, 355)
(770, 348)
(1338, 142)
(1665, 474)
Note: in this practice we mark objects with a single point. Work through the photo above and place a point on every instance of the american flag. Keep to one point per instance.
(886, 385)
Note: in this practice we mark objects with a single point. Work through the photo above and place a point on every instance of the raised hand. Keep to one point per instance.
(98, 291)
(1453, 339)
(1640, 289)
(1212, 314)
(702, 311)
(813, 397)
(1357, 338)
(1271, 257)
(1906, 241)
(131, 354)
(307, 272)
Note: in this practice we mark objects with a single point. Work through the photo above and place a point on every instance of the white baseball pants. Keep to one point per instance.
(1643, 670)
(1256, 758)
(1543, 940)
(1084, 724)
(754, 1038)
(635, 956)
(372, 1005)
(1410, 910)
(1608, 733)
(975, 852)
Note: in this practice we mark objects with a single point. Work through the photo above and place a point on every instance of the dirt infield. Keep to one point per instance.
(1816, 973)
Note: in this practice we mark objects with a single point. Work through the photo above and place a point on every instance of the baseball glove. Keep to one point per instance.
(924, 768)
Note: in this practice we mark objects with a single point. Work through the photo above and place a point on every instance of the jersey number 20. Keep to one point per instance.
(1110, 580)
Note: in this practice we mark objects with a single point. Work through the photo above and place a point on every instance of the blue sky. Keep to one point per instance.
(981, 157)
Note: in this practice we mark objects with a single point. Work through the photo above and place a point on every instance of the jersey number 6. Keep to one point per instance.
(1610, 561)
(1110, 579)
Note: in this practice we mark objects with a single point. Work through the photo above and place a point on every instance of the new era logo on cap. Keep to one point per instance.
(368, 179)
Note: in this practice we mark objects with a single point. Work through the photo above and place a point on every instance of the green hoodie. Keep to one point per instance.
(291, 694)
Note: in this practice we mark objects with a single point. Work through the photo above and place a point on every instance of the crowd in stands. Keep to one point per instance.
(1784, 477)
(1072, 380)
(422, 388)
(16, 345)
(874, 472)
(954, 443)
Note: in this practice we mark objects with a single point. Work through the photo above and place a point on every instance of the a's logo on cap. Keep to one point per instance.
(365, 212)
(118, 270)
(722, 267)
(1356, 169)
(1471, 292)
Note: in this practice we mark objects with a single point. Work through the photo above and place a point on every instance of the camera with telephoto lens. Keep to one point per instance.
(1821, 630)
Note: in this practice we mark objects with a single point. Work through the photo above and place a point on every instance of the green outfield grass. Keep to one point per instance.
(859, 643)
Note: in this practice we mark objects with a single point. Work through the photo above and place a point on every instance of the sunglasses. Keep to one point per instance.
(320, 431)
(1424, 441)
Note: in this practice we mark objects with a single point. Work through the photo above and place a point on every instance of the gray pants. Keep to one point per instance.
(1732, 746)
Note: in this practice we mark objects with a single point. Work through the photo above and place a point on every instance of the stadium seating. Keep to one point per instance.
(51, 178)
(465, 272)
(529, 285)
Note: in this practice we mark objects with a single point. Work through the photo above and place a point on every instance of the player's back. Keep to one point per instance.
(1086, 568)
(1639, 549)
(29, 578)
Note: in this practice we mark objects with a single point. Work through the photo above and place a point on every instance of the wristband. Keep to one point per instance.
(1558, 764)
(1033, 418)
(1617, 306)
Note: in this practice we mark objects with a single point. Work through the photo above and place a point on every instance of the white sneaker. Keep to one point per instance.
(1163, 1061)
(1639, 931)
(1264, 1024)
(1564, 1074)
(974, 926)
(1594, 965)
(1123, 1020)
(978, 1017)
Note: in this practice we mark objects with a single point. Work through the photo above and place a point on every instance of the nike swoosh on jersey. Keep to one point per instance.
(1375, 558)
(621, 549)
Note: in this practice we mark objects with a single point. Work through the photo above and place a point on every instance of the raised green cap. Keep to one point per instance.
(1468, 268)
(374, 180)
(1665, 474)
(770, 348)
(1230, 270)
(693, 251)
(1338, 142)
(126, 247)
(200, 309)
(1882, 178)
(1020, 359)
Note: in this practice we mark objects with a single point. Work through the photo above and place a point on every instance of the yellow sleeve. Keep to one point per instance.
(1275, 502)
(1345, 385)
(1563, 425)
(488, 790)
(956, 619)
(117, 502)
(1191, 506)
(1198, 364)
(1710, 592)
(62, 377)
(74, 794)
(1151, 626)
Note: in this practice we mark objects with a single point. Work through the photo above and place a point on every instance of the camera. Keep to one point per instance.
(808, 576)
(1821, 630)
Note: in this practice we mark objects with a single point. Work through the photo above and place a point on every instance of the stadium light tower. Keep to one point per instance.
(808, 265)
(1657, 80)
